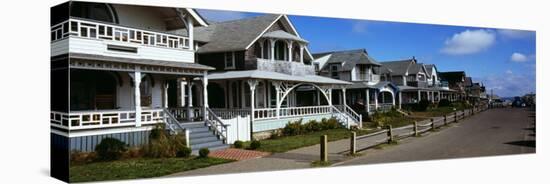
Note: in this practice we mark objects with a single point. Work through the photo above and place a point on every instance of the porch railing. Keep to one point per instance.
(216, 124)
(352, 114)
(224, 113)
(79, 120)
(271, 113)
(172, 122)
(340, 116)
(182, 113)
(106, 31)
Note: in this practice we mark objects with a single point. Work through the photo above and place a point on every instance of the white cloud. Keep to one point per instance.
(518, 57)
(515, 34)
(469, 42)
(509, 72)
(219, 15)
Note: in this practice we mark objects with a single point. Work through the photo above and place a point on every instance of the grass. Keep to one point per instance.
(393, 118)
(319, 163)
(286, 143)
(138, 168)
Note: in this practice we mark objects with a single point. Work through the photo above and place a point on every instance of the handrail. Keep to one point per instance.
(340, 114)
(170, 120)
(354, 115)
(217, 124)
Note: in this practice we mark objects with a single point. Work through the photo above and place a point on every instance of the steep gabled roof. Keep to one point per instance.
(400, 67)
(468, 81)
(233, 35)
(348, 58)
(430, 68)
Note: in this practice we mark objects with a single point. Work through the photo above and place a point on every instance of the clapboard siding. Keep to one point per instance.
(99, 47)
(88, 143)
(59, 47)
(272, 124)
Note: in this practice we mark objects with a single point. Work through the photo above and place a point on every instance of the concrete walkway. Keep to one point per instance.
(302, 157)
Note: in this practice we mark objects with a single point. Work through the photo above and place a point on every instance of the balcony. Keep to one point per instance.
(419, 84)
(100, 38)
(286, 67)
(371, 78)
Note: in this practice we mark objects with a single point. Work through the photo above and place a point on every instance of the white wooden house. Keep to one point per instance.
(117, 70)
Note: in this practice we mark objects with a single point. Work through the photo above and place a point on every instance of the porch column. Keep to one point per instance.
(367, 99)
(272, 45)
(166, 95)
(302, 53)
(205, 95)
(252, 84)
(190, 32)
(419, 97)
(189, 98)
(400, 99)
(290, 50)
(439, 96)
(344, 96)
(393, 99)
(277, 85)
(318, 97)
(376, 100)
(137, 95)
(182, 92)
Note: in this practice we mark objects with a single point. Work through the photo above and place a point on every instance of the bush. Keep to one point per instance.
(110, 149)
(183, 151)
(422, 105)
(444, 103)
(312, 126)
(162, 145)
(203, 152)
(293, 128)
(331, 123)
(255, 144)
(77, 157)
(238, 144)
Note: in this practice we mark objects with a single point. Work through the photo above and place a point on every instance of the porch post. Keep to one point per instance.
(439, 96)
(344, 96)
(252, 84)
(183, 84)
(419, 97)
(277, 86)
(205, 94)
(302, 53)
(367, 99)
(376, 100)
(189, 98)
(137, 95)
(393, 99)
(290, 51)
(318, 97)
(400, 99)
(166, 95)
(272, 45)
(262, 48)
(190, 31)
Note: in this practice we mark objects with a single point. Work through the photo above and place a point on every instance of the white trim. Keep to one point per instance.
(262, 33)
(107, 131)
(196, 17)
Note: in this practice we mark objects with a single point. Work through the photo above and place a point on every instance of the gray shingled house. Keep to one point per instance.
(367, 92)
(264, 71)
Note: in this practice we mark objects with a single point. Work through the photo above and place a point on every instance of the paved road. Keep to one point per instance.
(490, 133)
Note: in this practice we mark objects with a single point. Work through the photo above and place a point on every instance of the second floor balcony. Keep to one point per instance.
(368, 77)
(419, 84)
(101, 38)
(286, 67)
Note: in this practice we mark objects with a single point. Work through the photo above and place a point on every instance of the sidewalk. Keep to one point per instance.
(302, 157)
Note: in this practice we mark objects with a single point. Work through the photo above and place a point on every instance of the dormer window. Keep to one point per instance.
(334, 71)
(229, 60)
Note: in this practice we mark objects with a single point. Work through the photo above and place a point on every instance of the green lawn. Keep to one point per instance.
(283, 144)
(393, 118)
(138, 168)
(436, 112)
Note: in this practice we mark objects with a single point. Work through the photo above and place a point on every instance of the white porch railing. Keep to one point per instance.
(106, 31)
(216, 124)
(79, 120)
(271, 113)
(182, 113)
(352, 114)
(230, 113)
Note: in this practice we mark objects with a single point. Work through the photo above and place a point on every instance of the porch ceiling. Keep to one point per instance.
(257, 74)
(99, 62)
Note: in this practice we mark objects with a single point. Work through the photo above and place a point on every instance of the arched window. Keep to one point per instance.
(94, 11)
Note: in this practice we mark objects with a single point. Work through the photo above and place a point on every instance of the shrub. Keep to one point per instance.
(203, 152)
(183, 151)
(255, 144)
(238, 144)
(422, 105)
(77, 157)
(162, 145)
(293, 128)
(331, 123)
(110, 149)
(444, 103)
(312, 126)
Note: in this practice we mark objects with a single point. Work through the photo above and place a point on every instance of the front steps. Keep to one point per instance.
(201, 136)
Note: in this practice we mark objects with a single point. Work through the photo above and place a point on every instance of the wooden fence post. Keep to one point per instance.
(432, 124)
(415, 128)
(455, 117)
(390, 134)
(445, 119)
(324, 150)
(463, 113)
(352, 143)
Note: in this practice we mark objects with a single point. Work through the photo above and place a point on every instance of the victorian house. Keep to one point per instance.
(368, 91)
(264, 71)
(456, 81)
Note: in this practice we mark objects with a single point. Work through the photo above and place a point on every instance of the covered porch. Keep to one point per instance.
(410, 95)
(112, 94)
(271, 99)
(365, 97)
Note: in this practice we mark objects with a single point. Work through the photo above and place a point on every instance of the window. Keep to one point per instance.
(229, 60)
(362, 72)
(334, 71)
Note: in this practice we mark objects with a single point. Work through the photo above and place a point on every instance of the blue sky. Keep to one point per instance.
(503, 60)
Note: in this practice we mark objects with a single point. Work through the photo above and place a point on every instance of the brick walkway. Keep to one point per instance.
(237, 154)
